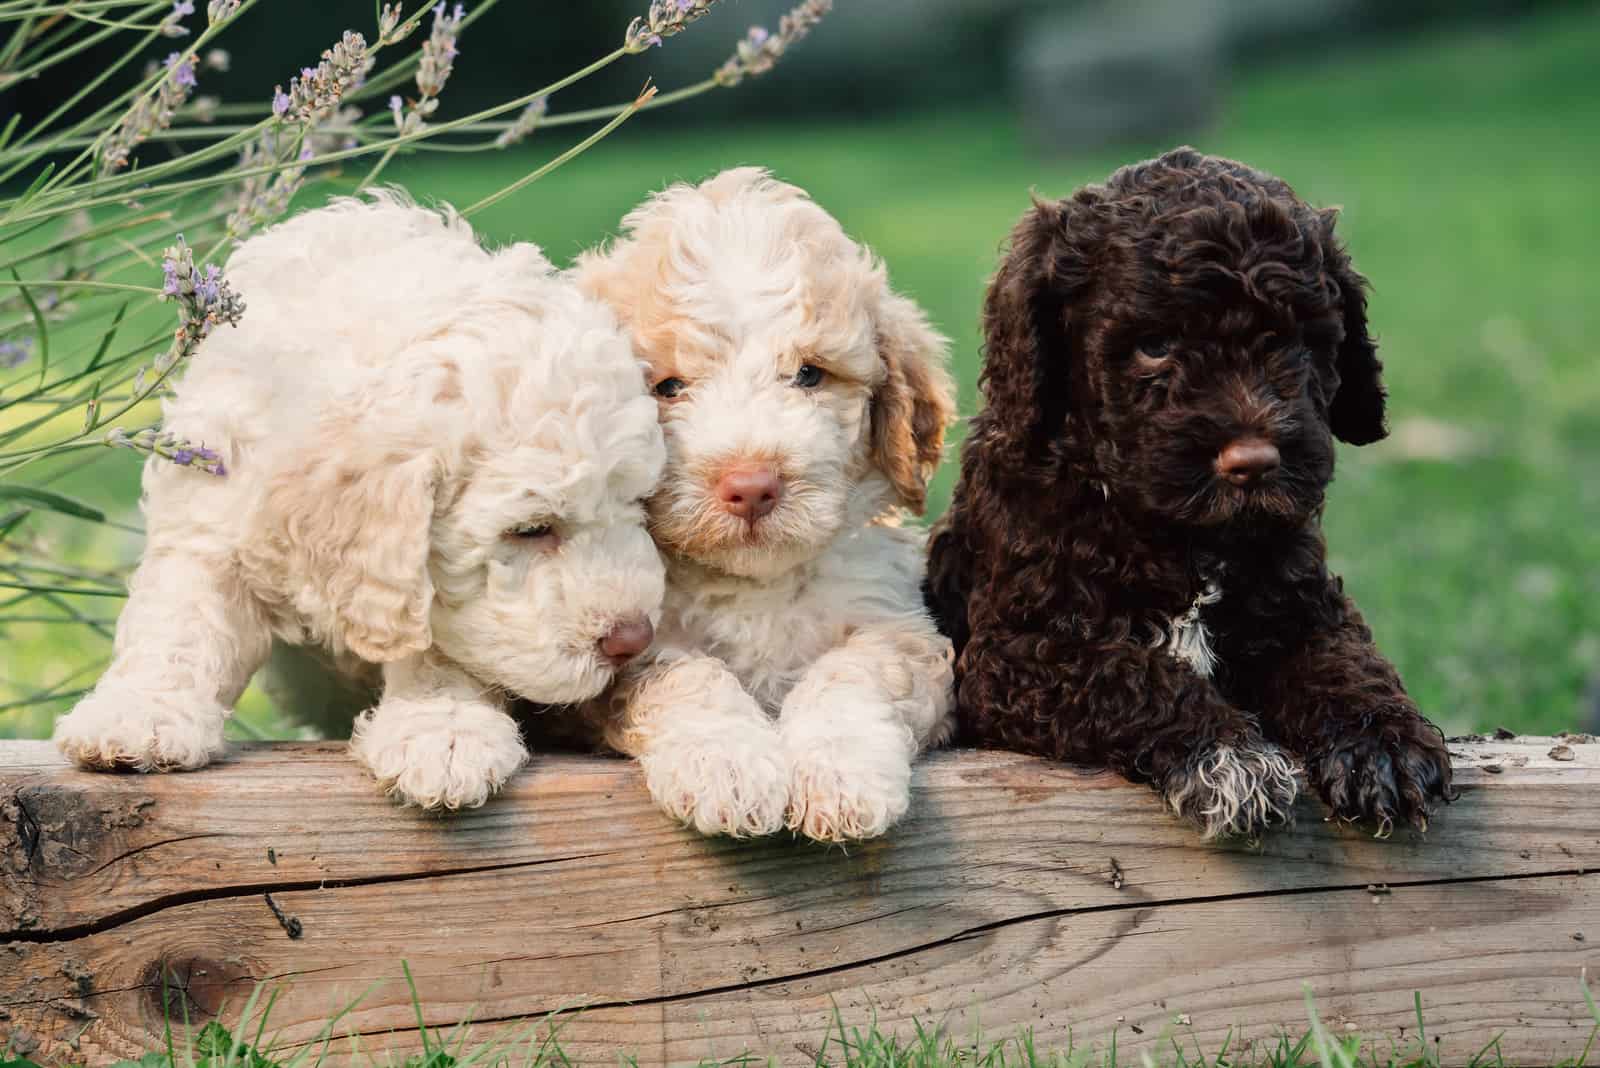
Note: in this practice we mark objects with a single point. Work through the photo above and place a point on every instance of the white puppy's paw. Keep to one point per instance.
(438, 753)
(852, 785)
(118, 727)
(733, 781)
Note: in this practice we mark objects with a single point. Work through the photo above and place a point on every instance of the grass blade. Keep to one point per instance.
(39, 323)
(55, 502)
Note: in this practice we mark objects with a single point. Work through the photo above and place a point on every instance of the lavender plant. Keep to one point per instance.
(127, 197)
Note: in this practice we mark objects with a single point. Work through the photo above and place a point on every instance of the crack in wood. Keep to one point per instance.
(223, 893)
(119, 858)
(1141, 906)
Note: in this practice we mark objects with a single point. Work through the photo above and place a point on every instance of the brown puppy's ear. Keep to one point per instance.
(1356, 413)
(915, 402)
(355, 525)
(1026, 358)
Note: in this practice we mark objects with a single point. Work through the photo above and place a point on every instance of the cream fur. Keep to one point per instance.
(1231, 791)
(797, 673)
(394, 402)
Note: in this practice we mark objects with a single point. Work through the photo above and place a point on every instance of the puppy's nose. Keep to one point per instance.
(1246, 460)
(749, 491)
(627, 640)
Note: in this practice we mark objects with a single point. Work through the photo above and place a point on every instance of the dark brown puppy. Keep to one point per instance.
(1133, 569)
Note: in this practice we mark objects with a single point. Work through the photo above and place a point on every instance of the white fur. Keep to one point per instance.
(395, 400)
(797, 672)
(1236, 792)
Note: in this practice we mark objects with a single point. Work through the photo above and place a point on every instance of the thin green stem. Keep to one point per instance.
(571, 153)
(333, 157)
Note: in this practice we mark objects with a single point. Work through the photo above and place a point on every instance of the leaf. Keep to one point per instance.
(55, 502)
(28, 193)
(39, 322)
(11, 128)
(9, 523)
(105, 342)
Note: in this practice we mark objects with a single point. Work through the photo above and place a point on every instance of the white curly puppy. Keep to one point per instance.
(436, 462)
(796, 673)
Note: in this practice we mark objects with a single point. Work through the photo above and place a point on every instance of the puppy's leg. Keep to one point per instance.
(710, 754)
(436, 739)
(1368, 750)
(1132, 708)
(187, 642)
(854, 723)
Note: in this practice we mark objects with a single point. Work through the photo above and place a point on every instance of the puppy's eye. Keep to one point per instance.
(1152, 356)
(669, 387)
(540, 534)
(809, 376)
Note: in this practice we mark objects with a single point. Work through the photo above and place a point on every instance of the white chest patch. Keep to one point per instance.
(1187, 638)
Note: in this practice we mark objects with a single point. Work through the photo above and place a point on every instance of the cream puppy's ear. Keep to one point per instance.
(915, 402)
(356, 526)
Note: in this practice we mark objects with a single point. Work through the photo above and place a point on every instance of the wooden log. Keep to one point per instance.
(1016, 894)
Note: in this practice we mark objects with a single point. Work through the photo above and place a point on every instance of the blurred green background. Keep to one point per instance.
(1464, 151)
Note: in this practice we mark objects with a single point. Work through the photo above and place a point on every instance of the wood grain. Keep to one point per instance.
(1016, 894)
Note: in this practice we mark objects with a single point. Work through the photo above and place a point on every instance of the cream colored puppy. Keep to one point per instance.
(436, 460)
(796, 674)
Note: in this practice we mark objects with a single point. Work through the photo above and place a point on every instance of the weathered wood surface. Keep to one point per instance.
(1016, 893)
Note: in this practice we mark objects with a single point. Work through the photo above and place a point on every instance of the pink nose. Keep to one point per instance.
(627, 640)
(1246, 460)
(749, 491)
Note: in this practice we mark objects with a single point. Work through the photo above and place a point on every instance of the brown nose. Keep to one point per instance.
(627, 640)
(1246, 460)
(749, 491)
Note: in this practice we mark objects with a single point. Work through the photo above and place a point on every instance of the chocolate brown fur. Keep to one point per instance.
(1133, 331)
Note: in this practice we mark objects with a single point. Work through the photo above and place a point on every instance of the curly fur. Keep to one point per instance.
(396, 400)
(797, 672)
(1132, 332)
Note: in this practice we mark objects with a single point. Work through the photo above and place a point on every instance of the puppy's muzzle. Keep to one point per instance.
(1247, 461)
(626, 640)
(749, 491)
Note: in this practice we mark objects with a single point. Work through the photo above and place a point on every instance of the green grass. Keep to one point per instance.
(922, 1044)
(1465, 165)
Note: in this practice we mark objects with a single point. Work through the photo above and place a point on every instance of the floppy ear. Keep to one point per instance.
(915, 403)
(1026, 357)
(1356, 412)
(356, 525)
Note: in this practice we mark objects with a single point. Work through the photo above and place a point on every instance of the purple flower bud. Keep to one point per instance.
(758, 35)
(216, 469)
(182, 71)
(182, 8)
(183, 457)
(169, 286)
(280, 102)
(15, 353)
(459, 13)
(306, 154)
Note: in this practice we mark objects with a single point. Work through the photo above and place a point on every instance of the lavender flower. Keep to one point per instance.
(433, 70)
(316, 93)
(204, 299)
(664, 19)
(760, 50)
(524, 125)
(390, 30)
(150, 113)
(180, 451)
(221, 10)
(204, 108)
(182, 69)
(15, 353)
(172, 24)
